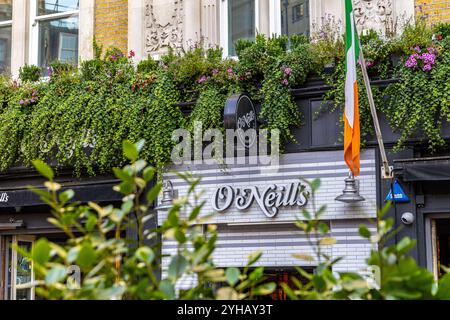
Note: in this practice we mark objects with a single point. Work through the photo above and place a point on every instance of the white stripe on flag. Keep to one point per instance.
(350, 78)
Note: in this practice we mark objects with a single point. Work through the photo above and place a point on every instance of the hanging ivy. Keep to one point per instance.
(76, 117)
(419, 101)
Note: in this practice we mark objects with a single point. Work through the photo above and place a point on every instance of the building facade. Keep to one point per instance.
(40, 31)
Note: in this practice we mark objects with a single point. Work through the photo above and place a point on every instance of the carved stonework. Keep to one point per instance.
(372, 14)
(164, 25)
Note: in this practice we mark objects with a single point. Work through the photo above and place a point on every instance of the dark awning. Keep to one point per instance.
(425, 169)
(99, 192)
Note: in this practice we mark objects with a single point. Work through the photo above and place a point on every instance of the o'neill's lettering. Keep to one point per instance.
(269, 200)
(245, 122)
(4, 197)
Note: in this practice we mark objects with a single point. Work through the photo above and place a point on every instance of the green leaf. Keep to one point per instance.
(41, 251)
(173, 218)
(91, 222)
(444, 288)
(145, 254)
(253, 257)
(167, 288)
(43, 169)
(140, 144)
(319, 283)
(227, 293)
(180, 236)
(177, 266)
(148, 174)
(56, 274)
(323, 228)
(405, 245)
(364, 232)
(315, 184)
(123, 175)
(264, 289)
(86, 255)
(130, 150)
(153, 193)
(66, 195)
(73, 254)
(232, 275)
(195, 212)
(327, 241)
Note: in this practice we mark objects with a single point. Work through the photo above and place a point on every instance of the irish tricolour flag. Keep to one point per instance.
(351, 114)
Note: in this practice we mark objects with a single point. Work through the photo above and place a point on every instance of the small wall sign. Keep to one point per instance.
(269, 200)
(240, 113)
(399, 194)
(4, 197)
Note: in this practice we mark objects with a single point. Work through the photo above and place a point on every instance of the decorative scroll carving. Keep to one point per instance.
(372, 14)
(164, 25)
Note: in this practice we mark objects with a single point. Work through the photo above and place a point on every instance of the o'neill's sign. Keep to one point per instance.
(269, 200)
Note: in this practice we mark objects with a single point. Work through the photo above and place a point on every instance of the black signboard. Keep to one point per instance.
(240, 113)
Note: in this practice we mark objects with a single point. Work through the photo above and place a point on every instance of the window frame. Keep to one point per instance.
(275, 16)
(35, 19)
(8, 23)
(224, 43)
(60, 47)
(11, 262)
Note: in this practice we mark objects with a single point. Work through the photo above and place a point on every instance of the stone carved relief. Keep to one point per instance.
(372, 14)
(164, 25)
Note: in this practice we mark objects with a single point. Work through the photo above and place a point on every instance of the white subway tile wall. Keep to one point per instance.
(278, 238)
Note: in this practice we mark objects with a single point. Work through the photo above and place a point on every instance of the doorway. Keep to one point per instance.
(438, 244)
(17, 272)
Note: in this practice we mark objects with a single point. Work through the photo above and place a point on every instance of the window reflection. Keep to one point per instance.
(5, 49)
(241, 22)
(294, 17)
(56, 6)
(58, 40)
(5, 10)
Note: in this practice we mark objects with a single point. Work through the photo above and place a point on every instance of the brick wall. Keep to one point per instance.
(433, 11)
(111, 23)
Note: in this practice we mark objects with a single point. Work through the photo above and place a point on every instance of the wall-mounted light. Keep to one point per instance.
(168, 196)
(350, 194)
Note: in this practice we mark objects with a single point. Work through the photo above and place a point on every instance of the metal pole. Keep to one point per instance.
(386, 170)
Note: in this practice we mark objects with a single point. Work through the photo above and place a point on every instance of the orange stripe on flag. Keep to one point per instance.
(352, 137)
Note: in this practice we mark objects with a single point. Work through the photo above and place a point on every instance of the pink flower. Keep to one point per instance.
(230, 71)
(131, 54)
(287, 71)
(427, 67)
(215, 72)
(285, 82)
(202, 79)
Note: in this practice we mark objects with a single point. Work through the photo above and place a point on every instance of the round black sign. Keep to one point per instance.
(240, 113)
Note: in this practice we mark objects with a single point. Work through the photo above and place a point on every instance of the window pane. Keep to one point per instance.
(23, 272)
(5, 10)
(295, 17)
(241, 22)
(58, 40)
(55, 6)
(5, 49)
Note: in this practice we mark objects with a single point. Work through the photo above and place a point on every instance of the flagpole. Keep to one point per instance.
(386, 170)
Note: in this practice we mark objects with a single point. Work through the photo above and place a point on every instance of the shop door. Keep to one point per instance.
(440, 245)
(19, 275)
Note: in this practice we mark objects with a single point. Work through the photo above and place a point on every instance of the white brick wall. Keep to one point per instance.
(278, 241)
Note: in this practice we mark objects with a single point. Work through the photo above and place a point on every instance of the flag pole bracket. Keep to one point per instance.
(387, 172)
